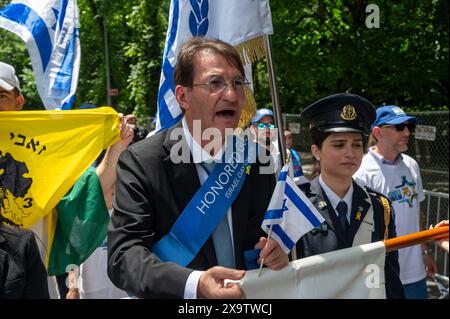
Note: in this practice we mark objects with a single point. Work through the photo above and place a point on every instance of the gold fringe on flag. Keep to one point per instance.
(251, 50)
(248, 110)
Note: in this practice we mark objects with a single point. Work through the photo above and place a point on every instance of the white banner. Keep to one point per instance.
(352, 273)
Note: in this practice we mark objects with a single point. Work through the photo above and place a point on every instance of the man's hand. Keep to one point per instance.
(73, 293)
(443, 243)
(72, 282)
(430, 265)
(127, 126)
(211, 284)
(274, 256)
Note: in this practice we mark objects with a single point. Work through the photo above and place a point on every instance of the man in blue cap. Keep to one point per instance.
(263, 127)
(386, 170)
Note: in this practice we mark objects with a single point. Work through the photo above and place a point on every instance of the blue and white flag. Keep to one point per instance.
(290, 212)
(50, 30)
(240, 23)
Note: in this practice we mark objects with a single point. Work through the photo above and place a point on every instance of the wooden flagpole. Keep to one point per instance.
(416, 238)
(262, 259)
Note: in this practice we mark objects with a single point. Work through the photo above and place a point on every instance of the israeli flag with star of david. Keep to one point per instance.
(50, 30)
(232, 21)
(290, 212)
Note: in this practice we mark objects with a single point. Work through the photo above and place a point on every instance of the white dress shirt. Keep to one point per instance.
(199, 155)
(335, 199)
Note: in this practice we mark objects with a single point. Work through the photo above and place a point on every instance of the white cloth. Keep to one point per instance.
(402, 184)
(356, 272)
(94, 282)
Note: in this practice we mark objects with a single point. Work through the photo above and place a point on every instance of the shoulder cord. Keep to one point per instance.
(387, 215)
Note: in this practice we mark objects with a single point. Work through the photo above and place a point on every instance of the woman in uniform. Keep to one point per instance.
(338, 124)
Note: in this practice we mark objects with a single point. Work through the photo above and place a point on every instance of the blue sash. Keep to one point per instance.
(208, 206)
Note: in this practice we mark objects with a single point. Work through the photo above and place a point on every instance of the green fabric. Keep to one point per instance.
(82, 224)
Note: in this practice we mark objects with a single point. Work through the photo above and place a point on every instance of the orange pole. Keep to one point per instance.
(416, 238)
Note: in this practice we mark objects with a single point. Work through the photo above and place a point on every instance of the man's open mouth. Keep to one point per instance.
(226, 113)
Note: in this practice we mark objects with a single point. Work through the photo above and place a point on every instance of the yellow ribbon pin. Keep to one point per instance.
(358, 216)
(248, 170)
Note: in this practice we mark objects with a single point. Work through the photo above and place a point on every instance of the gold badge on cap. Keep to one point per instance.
(348, 113)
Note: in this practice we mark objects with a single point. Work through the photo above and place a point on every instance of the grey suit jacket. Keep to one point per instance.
(151, 192)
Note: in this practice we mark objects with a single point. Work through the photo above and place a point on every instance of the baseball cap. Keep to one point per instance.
(392, 114)
(8, 78)
(260, 114)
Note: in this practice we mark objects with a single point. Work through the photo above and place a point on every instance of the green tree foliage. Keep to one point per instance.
(320, 47)
(136, 33)
(323, 47)
(14, 52)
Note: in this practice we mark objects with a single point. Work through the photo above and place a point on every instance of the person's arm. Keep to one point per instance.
(106, 170)
(132, 266)
(427, 252)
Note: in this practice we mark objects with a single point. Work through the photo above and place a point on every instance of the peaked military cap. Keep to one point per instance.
(342, 112)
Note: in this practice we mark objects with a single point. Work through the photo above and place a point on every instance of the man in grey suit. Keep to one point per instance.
(155, 191)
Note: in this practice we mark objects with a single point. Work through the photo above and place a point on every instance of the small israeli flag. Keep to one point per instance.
(50, 30)
(290, 212)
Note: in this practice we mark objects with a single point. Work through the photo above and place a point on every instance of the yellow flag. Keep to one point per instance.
(43, 153)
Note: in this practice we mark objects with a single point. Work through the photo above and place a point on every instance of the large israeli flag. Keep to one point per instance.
(290, 212)
(234, 21)
(50, 30)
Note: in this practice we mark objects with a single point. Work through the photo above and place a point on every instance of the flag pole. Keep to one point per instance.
(262, 259)
(277, 111)
(274, 95)
(416, 238)
(107, 68)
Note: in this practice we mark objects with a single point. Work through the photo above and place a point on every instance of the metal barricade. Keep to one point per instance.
(435, 207)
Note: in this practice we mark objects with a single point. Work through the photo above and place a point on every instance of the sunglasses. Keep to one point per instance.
(400, 127)
(262, 126)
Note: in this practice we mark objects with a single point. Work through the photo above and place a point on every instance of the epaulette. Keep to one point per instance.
(386, 208)
(376, 194)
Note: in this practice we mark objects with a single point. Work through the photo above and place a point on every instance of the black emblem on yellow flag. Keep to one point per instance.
(13, 189)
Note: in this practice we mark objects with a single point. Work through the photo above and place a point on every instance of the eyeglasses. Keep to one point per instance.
(262, 126)
(218, 84)
(400, 127)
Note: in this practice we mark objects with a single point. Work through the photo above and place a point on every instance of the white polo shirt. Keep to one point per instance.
(401, 182)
